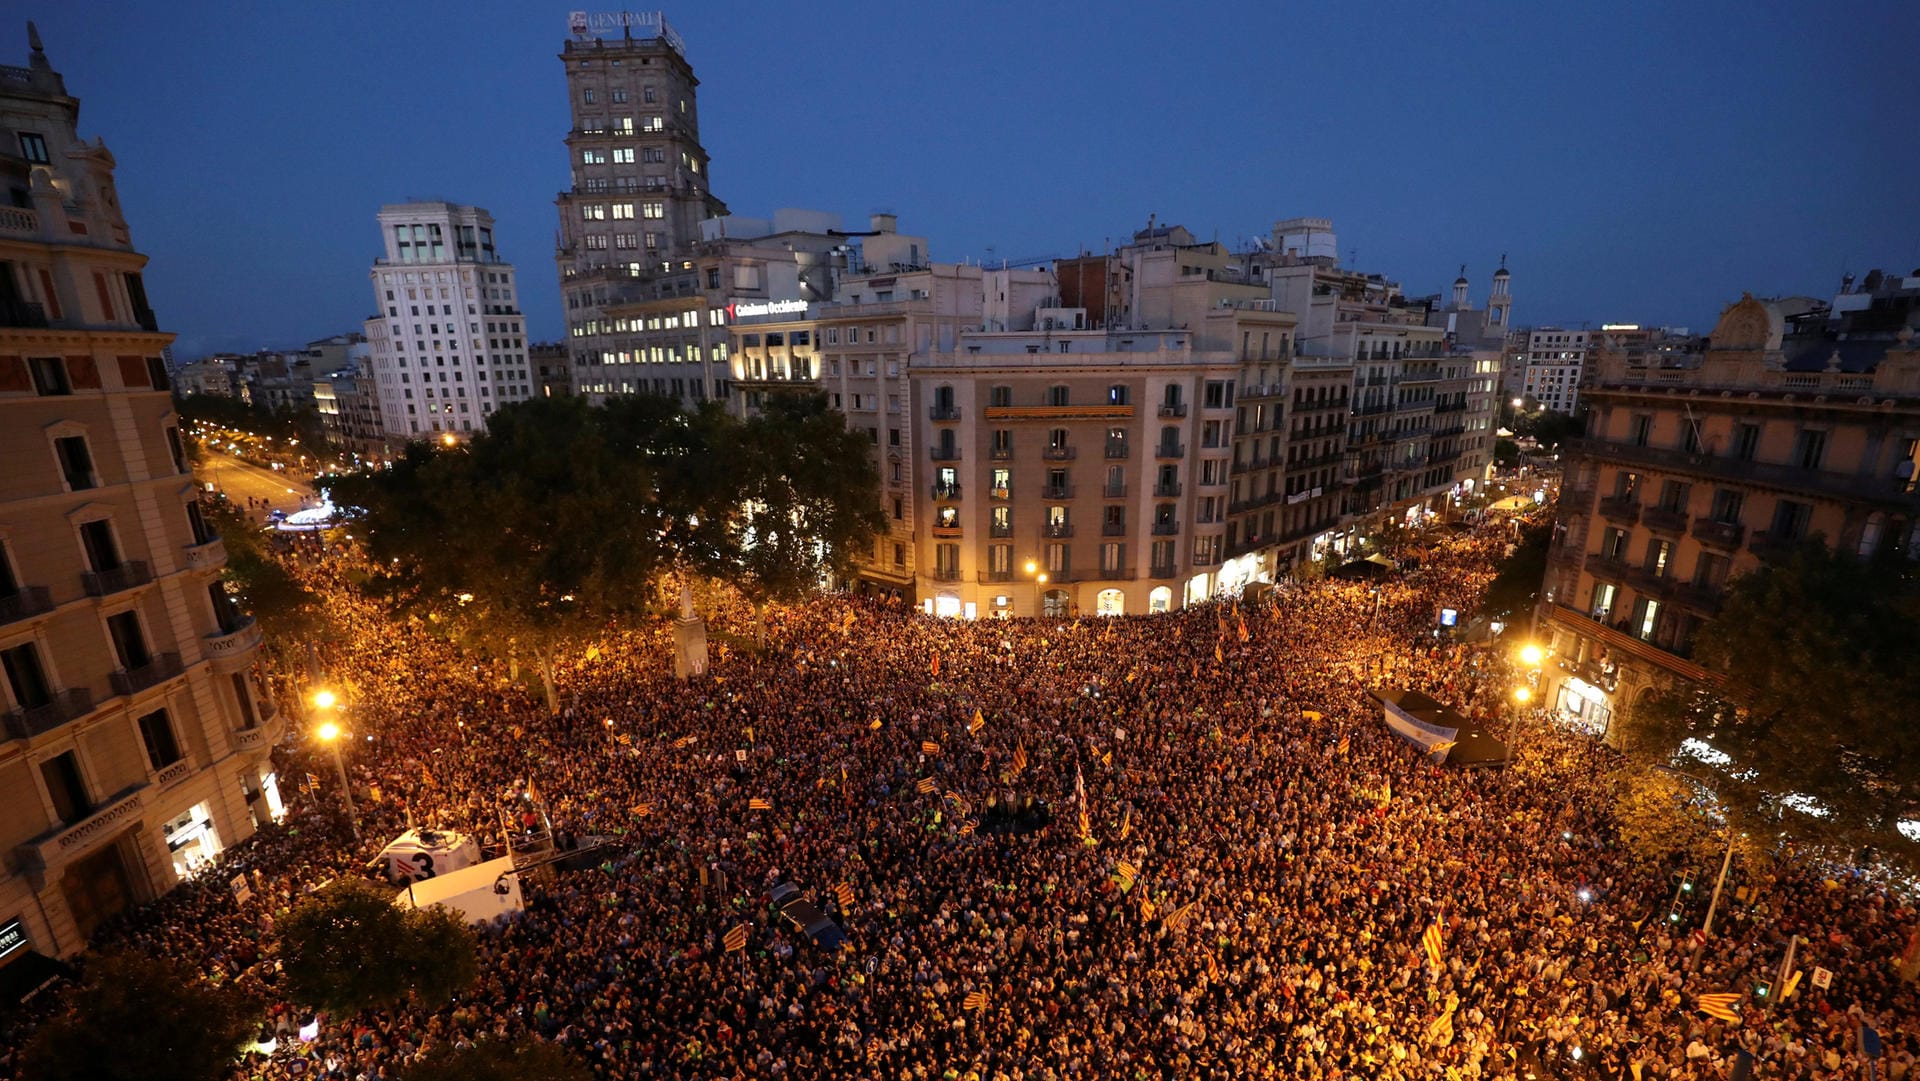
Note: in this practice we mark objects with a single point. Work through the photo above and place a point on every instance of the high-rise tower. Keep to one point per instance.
(639, 174)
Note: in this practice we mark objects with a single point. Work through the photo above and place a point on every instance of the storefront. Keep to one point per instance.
(1584, 707)
(192, 841)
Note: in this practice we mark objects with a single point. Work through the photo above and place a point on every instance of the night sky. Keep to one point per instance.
(1638, 162)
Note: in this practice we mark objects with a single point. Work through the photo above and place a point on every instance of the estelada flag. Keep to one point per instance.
(1019, 757)
(926, 785)
(844, 894)
(975, 1000)
(737, 938)
(1720, 1005)
(974, 726)
(758, 804)
(1126, 823)
(928, 746)
(1430, 938)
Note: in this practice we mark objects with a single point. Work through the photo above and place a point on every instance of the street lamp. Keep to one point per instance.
(329, 733)
(448, 439)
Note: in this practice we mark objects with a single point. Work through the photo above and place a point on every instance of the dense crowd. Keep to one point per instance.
(1259, 862)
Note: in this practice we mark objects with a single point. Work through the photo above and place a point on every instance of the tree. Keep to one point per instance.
(349, 947)
(1665, 817)
(142, 1018)
(1516, 584)
(286, 610)
(525, 1059)
(1806, 727)
(539, 529)
(807, 495)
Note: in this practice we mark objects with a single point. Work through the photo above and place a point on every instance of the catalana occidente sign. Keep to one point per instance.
(746, 309)
(645, 24)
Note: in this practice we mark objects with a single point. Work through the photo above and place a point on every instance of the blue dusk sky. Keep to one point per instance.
(1642, 162)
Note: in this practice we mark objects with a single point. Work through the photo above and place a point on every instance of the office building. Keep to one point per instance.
(448, 341)
(1792, 419)
(1556, 363)
(136, 728)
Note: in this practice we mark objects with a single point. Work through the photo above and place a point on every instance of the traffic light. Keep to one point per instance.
(1762, 989)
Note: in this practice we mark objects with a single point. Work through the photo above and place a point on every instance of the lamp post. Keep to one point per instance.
(329, 733)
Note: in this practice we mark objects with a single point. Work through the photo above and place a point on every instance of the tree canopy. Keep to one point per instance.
(349, 947)
(525, 1059)
(1516, 583)
(564, 514)
(139, 1018)
(286, 610)
(1816, 687)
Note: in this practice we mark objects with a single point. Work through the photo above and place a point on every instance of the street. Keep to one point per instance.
(243, 481)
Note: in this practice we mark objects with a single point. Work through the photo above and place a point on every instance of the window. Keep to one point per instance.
(946, 560)
(173, 446)
(653, 210)
(1000, 559)
(1219, 394)
(899, 555)
(1641, 430)
(1058, 559)
(1790, 520)
(1000, 521)
(1727, 505)
(25, 678)
(33, 147)
(49, 376)
(1056, 439)
(156, 731)
(1710, 571)
(619, 94)
(65, 787)
(1000, 397)
(1746, 441)
(1809, 447)
(96, 537)
(1113, 557)
(1057, 396)
(1646, 619)
(1673, 495)
(1604, 596)
(1002, 483)
(76, 464)
(241, 694)
(1659, 557)
(1613, 543)
(1003, 442)
(129, 642)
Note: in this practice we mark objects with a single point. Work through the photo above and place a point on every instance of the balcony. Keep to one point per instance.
(65, 706)
(1581, 623)
(1057, 530)
(946, 574)
(1771, 547)
(943, 412)
(1166, 529)
(1723, 535)
(1699, 596)
(19, 219)
(946, 454)
(1173, 410)
(68, 841)
(119, 579)
(1113, 529)
(1116, 450)
(946, 530)
(25, 602)
(996, 576)
(1113, 491)
(1888, 491)
(997, 530)
(1002, 492)
(211, 552)
(1620, 509)
(1001, 454)
(1170, 450)
(946, 491)
(230, 644)
(22, 314)
(1167, 489)
(1057, 491)
(1162, 570)
(173, 774)
(1057, 454)
(131, 681)
(1665, 519)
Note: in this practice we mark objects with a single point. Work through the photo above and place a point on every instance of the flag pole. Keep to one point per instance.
(1706, 929)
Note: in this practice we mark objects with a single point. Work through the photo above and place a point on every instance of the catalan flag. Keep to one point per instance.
(1126, 823)
(974, 726)
(1243, 626)
(975, 1000)
(642, 810)
(1720, 1005)
(625, 738)
(966, 828)
(1345, 743)
(1125, 873)
(1106, 759)
(737, 938)
(1431, 940)
(759, 804)
(1146, 907)
(1218, 656)
(928, 746)
(1019, 757)
(1086, 826)
(1178, 919)
(843, 893)
(926, 786)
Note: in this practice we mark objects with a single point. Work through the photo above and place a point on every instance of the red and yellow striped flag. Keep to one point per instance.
(844, 894)
(759, 804)
(1020, 757)
(966, 828)
(1430, 938)
(1086, 827)
(1218, 656)
(1125, 873)
(1345, 742)
(936, 664)
(737, 938)
(926, 785)
(928, 746)
(974, 726)
(1180, 915)
(1720, 1005)
(1126, 823)
(642, 810)
(975, 1000)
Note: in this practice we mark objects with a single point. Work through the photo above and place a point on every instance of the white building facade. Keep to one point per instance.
(448, 344)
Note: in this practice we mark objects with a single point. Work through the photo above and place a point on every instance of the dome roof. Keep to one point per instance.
(1502, 273)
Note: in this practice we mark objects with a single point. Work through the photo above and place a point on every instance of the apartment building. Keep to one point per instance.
(447, 340)
(1791, 419)
(134, 728)
(1556, 363)
(639, 190)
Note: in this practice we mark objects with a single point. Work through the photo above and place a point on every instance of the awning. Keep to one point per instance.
(29, 974)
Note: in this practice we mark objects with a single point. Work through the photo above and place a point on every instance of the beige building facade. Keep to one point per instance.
(136, 731)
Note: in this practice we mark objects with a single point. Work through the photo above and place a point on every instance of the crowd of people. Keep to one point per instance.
(1233, 874)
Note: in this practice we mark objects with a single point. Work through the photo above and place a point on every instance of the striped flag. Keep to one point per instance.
(1107, 759)
(1086, 826)
(844, 894)
(928, 746)
(1345, 742)
(1126, 872)
(966, 828)
(1218, 656)
(1126, 823)
(642, 810)
(936, 664)
(759, 804)
(625, 738)
(974, 726)
(737, 938)
(1431, 940)
(1146, 907)
(975, 1000)
(1019, 758)
(1178, 919)
(926, 786)
(1720, 1005)
(1243, 626)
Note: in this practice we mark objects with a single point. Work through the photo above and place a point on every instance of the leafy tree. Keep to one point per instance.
(808, 495)
(1506, 452)
(286, 610)
(141, 1018)
(1665, 817)
(349, 947)
(1516, 585)
(525, 1059)
(1813, 657)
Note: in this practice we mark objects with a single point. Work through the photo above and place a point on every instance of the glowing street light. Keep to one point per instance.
(1522, 695)
(324, 699)
(448, 439)
(329, 733)
(1530, 655)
